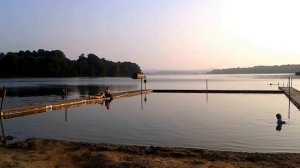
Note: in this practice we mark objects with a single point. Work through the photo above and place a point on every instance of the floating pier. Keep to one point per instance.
(65, 104)
(293, 94)
(220, 91)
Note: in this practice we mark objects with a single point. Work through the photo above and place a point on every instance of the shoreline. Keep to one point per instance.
(35, 152)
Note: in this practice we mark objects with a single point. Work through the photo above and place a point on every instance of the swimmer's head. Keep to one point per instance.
(278, 116)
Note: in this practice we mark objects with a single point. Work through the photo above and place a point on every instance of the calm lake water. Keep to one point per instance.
(235, 122)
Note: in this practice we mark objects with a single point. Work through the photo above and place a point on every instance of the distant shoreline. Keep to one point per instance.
(259, 70)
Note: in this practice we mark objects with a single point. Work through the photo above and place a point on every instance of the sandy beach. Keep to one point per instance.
(55, 153)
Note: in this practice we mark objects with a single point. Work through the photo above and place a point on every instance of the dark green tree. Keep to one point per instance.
(43, 63)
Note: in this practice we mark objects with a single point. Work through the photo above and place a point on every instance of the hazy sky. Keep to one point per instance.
(158, 34)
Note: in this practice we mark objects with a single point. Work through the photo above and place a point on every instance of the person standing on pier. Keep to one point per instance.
(107, 93)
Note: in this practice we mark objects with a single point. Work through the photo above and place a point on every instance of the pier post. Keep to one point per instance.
(145, 81)
(66, 91)
(289, 88)
(3, 139)
(2, 100)
(65, 98)
(141, 85)
(206, 84)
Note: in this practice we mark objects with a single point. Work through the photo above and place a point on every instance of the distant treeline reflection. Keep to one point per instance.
(43, 63)
(57, 90)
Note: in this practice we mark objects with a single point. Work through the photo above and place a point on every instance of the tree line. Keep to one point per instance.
(43, 63)
(259, 70)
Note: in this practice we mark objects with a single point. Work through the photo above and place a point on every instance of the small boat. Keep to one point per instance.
(137, 75)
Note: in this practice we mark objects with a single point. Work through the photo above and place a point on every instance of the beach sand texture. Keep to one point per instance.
(55, 153)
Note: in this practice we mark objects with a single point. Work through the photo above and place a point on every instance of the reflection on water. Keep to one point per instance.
(107, 103)
(33, 91)
(66, 114)
(280, 123)
(58, 90)
(278, 127)
(236, 122)
(143, 100)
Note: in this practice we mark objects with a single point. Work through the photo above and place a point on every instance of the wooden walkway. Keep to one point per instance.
(293, 94)
(22, 111)
(295, 98)
(220, 91)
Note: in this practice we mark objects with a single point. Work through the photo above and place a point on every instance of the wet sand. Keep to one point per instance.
(46, 153)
